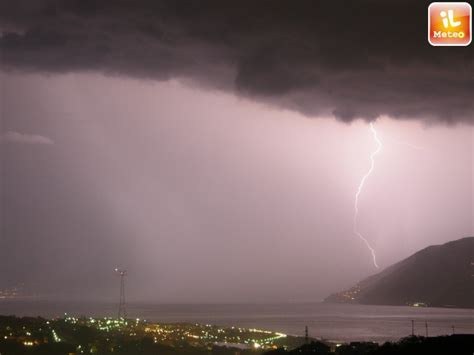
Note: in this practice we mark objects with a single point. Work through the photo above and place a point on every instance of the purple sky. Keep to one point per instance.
(207, 197)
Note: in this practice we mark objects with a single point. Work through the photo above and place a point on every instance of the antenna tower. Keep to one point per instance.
(122, 311)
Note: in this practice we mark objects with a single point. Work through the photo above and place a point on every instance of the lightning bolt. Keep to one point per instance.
(359, 190)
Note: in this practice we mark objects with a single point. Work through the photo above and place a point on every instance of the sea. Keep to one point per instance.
(332, 322)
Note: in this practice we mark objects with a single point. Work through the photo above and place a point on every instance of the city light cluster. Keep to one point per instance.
(114, 332)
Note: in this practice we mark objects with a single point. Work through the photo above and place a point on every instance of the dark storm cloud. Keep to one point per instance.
(358, 59)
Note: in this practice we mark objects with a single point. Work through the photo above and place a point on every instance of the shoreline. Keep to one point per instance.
(217, 304)
(333, 322)
(38, 332)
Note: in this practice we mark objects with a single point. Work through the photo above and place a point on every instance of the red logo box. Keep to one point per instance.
(449, 24)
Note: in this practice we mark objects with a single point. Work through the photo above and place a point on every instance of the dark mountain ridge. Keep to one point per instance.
(437, 276)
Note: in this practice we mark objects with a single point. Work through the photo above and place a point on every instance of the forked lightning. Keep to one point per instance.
(359, 190)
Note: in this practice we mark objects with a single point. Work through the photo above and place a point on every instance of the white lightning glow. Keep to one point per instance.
(359, 190)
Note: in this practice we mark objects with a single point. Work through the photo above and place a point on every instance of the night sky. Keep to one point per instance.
(214, 148)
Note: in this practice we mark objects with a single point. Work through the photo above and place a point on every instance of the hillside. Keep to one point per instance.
(437, 276)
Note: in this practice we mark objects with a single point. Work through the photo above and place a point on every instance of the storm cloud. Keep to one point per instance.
(344, 59)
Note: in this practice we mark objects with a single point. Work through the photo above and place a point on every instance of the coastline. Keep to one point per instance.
(335, 322)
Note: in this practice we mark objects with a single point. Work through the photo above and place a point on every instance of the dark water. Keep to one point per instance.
(328, 321)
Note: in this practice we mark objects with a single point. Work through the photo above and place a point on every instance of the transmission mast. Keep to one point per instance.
(122, 311)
